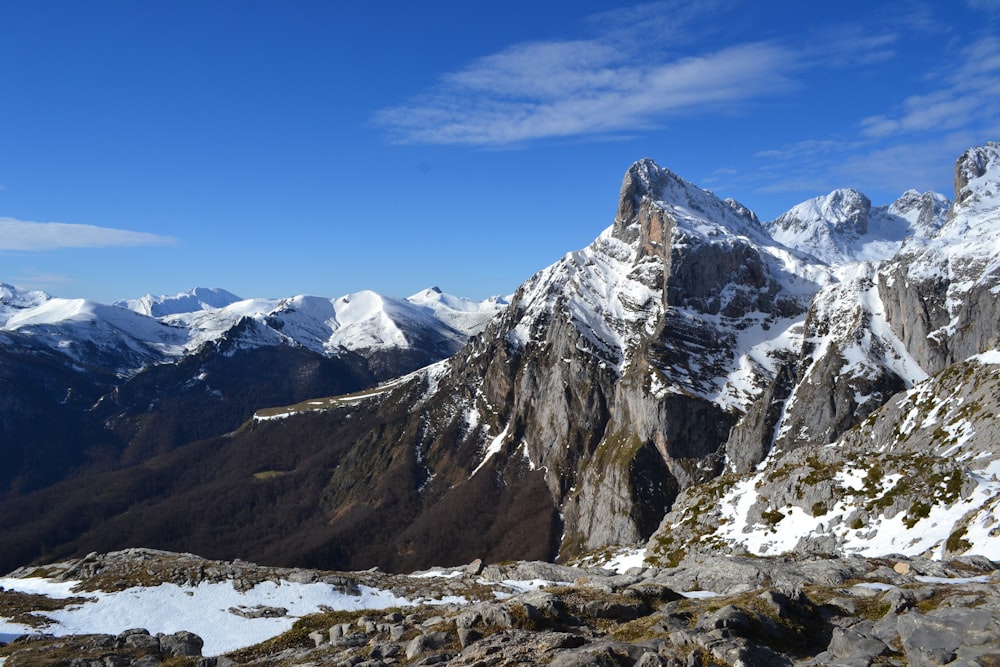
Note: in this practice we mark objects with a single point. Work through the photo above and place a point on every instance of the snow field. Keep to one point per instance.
(203, 609)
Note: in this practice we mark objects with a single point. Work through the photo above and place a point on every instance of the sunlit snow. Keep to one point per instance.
(203, 609)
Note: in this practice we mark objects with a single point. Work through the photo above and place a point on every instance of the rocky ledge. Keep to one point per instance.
(709, 611)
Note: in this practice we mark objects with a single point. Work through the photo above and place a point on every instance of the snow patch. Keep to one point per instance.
(202, 609)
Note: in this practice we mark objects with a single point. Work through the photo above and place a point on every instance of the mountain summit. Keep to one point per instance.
(842, 227)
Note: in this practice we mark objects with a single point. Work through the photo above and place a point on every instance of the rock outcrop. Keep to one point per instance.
(712, 610)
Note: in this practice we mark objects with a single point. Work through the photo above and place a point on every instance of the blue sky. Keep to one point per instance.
(324, 147)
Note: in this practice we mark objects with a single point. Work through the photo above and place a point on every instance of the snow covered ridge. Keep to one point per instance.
(843, 227)
(919, 477)
(796, 337)
(157, 329)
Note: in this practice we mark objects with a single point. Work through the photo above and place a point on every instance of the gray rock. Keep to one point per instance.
(138, 639)
(181, 643)
(856, 643)
(427, 642)
(147, 661)
(384, 650)
(617, 611)
(650, 659)
(468, 636)
(946, 634)
(260, 611)
(487, 614)
(601, 654)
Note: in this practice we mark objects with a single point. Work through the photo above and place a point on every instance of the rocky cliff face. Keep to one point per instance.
(885, 438)
(617, 373)
(941, 292)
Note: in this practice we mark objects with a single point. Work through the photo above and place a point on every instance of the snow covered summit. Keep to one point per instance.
(843, 227)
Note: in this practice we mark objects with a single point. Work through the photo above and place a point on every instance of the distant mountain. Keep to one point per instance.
(134, 334)
(842, 227)
(199, 298)
(87, 387)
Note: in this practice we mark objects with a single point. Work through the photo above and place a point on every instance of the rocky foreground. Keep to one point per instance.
(710, 611)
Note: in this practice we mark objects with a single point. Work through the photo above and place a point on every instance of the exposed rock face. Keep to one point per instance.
(928, 487)
(849, 364)
(939, 294)
(882, 436)
(617, 351)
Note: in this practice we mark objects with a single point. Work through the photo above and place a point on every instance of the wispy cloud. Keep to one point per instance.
(24, 235)
(913, 145)
(614, 82)
(988, 6)
(571, 88)
(962, 99)
(625, 76)
(41, 281)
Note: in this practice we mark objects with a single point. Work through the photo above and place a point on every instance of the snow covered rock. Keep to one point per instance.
(941, 292)
(843, 227)
(199, 298)
(885, 441)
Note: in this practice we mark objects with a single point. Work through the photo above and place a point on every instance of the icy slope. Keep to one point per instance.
(14, 300)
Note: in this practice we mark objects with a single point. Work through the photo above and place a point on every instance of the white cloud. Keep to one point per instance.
(964, 99)
(559, 89)
(41, 281)
(33, 236)
(988, 6)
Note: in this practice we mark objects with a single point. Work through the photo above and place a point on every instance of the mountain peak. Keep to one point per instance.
(649, 190)
(977, 176)
(843, 211)
(193, 300)
(20, 298)
(843, 227)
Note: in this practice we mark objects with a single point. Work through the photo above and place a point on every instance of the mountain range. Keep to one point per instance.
(694, 380)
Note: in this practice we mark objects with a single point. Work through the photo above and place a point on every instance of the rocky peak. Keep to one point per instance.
(13, 298)
(826, 226)
(925, 212)
(971, 167)
(843, 226)
(843, 210)
(653, 200)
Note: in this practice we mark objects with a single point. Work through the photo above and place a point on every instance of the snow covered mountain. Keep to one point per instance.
(199, 298)
(131, 335)
(686, 379)
(885, 440)
(89, 386)
(842, 227)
